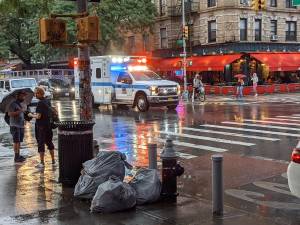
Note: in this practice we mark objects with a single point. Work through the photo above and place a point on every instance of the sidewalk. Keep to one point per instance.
(31, 196)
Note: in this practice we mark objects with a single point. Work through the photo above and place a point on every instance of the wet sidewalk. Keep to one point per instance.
(33, 196)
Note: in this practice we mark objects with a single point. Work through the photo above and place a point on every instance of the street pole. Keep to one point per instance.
(184, 51)
(85, 92)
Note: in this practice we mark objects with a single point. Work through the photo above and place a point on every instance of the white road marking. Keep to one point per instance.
(264, 126)
(252, 130)
(289, 117)
(271, 122)
(190, 145)
(231, 134)
(207, 138)
(280, 119)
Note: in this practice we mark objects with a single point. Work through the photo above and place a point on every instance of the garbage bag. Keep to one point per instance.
(86, 186)
(112, 196)
(147, 185)
(106, 164)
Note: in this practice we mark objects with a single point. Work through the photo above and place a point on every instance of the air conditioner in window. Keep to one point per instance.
(274, 38)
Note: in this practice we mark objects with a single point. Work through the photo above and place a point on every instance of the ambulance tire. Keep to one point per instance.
(142, 102)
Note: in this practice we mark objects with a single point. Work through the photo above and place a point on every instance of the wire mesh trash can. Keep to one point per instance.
(75, 146)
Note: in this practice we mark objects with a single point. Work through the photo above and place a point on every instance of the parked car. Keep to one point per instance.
(58, 88)
(293, 172)
(9, 85)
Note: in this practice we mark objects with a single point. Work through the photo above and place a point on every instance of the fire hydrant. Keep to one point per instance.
(170, 171)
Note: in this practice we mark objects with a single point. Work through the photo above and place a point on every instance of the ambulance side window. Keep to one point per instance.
(124, 78)
(98, 73)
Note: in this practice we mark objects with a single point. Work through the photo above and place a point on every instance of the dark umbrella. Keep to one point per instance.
(11, 97)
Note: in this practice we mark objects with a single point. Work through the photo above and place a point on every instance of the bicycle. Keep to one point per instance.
(198, 94)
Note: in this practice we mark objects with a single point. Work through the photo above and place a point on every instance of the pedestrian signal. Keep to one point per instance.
(52, 30)
(88, 29)
(186, 32)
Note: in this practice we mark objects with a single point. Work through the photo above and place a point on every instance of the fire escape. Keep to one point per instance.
(175, 13)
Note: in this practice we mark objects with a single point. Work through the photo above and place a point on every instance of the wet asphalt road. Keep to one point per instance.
(256, 137)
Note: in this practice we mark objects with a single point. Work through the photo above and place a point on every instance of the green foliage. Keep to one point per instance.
(19, 25)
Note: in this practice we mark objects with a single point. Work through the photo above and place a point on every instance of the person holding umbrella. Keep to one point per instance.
(240, 85)
(16, 122)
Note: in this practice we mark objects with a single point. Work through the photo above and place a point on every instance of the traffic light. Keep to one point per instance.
(88, 29)
(52, 30)
(258, 5)
(186, 32)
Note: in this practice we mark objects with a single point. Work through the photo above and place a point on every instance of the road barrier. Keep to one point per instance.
(217, 184)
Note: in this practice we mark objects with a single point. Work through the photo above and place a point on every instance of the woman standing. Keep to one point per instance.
(254, 81)
(240, 87)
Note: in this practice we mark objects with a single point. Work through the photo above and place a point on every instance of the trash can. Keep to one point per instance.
(75, 146)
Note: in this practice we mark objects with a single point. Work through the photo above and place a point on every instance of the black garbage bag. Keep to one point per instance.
(147, 185)
(112, 196)
(98, 170)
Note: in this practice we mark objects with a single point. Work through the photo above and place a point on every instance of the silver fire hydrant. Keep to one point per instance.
(170, 171)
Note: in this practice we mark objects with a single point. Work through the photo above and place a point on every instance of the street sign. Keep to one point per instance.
(296, 2)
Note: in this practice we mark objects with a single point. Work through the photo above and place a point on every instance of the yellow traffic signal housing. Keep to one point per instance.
(88, 29)
(186, 32)
(254, 5)
(262, 4)
(52, 30)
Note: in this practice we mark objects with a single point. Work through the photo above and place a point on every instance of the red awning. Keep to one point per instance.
(279, 61)
(167, 64)
(211, 62)
(196, 63)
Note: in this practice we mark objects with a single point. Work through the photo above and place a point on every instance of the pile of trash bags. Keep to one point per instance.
(102, 181)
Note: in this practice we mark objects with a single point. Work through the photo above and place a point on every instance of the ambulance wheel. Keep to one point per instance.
(142, 103)
(172, 107)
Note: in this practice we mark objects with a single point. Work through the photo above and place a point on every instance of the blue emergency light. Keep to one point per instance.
(118, 68)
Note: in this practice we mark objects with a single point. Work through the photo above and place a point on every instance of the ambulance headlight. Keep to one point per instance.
(178, 89)
(153, 90)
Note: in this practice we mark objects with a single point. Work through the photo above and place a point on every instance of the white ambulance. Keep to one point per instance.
(125, 80)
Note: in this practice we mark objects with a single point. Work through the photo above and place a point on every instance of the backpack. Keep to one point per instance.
(53, 117)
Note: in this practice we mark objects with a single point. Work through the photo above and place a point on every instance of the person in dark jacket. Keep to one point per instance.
(43, 129)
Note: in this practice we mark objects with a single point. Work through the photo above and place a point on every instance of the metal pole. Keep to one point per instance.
(184, 49)
(85, 92)
(152, 155)
(217, 184)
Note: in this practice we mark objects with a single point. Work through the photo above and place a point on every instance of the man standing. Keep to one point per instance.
(254, 81)
(43, 129)
(16, 123)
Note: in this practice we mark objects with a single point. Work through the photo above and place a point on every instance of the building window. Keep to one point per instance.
(211, 3)
(244, 2)
(212, 31)
(146, 43)
(289, 4)
(162, 7)
(273, 27)
(243, 29)
(257, 30)
(131, 43)
(273, 3)
(290, 31)
(163, 38)
(98, 73)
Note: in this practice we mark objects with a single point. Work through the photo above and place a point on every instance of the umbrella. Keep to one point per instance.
(240, 75)
(11, 97)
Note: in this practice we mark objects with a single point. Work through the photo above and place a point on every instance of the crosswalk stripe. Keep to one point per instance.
(281, 119)
(271, 122)
(264, 126)
(251, 130)
(289, 117)
(231, 134)
(207, 138)
(296, 114)
(190, 145)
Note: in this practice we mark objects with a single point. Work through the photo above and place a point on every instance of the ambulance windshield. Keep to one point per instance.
(145, 75)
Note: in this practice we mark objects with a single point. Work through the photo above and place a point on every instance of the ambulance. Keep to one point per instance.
(127, 80)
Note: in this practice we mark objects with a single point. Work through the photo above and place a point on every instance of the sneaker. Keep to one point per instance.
(256, 95)
(20, 159)
(40, 166)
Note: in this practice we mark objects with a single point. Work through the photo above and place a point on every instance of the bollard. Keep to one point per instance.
(217, 184)
(170, 171)
(152, 156)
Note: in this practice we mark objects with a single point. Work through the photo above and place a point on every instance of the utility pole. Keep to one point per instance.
(85, 92)
(184, 50)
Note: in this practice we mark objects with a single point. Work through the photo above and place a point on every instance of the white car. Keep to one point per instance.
(293, 172)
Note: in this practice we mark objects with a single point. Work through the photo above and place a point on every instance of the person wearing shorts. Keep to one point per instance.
(43, 130)
(16, 123)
